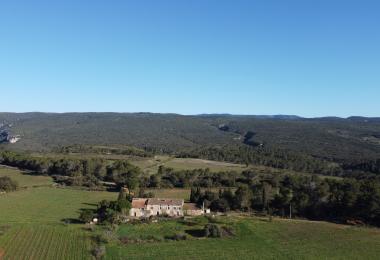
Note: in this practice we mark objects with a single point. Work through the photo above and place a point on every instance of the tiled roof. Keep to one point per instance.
(170, 202)
(138, 203)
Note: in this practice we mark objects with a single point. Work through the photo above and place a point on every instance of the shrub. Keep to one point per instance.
(86, 216)
(228, 231)
(99, 251)
(7, 184)
(212, 230)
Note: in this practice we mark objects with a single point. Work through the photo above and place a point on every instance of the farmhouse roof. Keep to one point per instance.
(138, 203)
(170, 202)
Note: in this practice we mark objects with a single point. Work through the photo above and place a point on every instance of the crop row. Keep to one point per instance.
(44, 242)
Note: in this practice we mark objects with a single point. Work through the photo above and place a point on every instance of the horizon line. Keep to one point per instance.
(289, 116)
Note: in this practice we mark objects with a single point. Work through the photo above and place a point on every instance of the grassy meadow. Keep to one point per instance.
(190, 163)
(171, 193)
(255, 239)
(47, 205)
(25, 179)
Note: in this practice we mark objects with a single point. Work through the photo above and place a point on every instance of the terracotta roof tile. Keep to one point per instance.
(138, 203)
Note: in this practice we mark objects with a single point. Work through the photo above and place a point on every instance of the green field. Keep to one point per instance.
(31, 219)
(24, 179)
(47, 205)
(256, 239)
(190, 163)
(171, 193)
(45, 242)
(34, 221)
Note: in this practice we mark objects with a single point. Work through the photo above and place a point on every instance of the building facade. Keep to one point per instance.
(156, 207)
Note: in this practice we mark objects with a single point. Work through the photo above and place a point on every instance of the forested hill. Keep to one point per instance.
(328, 138)
(163, 132)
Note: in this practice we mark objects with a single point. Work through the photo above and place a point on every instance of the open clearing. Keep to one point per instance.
(150, 165)
(171, 193)
(190, 163)
(47, 205)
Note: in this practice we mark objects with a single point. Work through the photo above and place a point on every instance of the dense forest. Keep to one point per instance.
(75, 172)
(332, 139)
(347, 200)
(283, 159)
(275, 158)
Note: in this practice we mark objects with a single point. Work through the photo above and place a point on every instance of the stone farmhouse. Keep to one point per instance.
(156, 207)
(148, 207)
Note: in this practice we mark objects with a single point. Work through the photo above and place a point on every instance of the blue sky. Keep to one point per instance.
(304, 57)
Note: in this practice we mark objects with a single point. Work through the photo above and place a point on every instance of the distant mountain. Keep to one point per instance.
(329, 137)
(289, 117)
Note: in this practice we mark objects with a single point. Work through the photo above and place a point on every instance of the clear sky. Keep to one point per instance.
(304, 57)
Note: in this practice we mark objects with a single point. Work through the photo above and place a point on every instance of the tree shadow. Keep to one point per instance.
(198, 233)
(33, 173)
(112, 189)
(90, 204)
(71, 221)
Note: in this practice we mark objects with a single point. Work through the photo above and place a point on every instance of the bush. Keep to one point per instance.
(99, 251)
(86, 216)
(212, 230)
(7, 184)
(228, 232)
